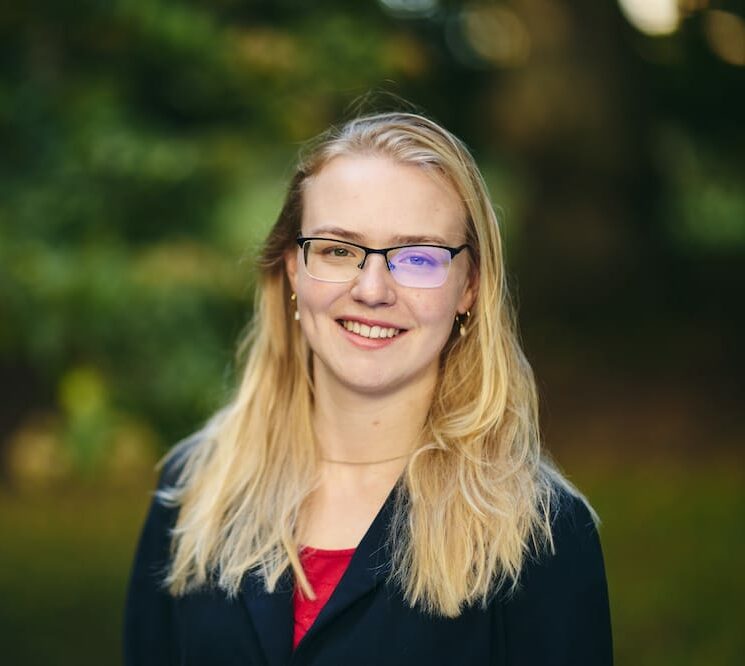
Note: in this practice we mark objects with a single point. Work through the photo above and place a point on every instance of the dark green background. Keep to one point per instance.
(144, 148)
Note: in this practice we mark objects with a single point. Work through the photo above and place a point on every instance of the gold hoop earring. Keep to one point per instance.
(293, 298)
(461, 320)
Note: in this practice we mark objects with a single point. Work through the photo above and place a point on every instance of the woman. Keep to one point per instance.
(375, 492)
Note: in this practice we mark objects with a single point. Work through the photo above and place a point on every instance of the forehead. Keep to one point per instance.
(377, 200)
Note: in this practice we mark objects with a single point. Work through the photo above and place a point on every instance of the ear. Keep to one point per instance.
(291, 267)
(470, 291)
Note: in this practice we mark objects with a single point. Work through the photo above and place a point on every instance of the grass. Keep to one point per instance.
(674, 539)
(64, 565)
(672, 533)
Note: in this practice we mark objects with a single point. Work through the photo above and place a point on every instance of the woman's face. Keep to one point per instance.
(379, 203)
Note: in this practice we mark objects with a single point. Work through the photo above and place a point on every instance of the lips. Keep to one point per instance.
(373, 331)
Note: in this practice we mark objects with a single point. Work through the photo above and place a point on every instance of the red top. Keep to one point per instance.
(324, 569)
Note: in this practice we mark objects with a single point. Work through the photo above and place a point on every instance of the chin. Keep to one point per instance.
(381, 384)
(370, 387)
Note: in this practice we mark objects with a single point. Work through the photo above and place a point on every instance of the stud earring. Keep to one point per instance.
(294, 299)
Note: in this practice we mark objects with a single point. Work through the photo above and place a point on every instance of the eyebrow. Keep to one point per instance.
(411, 240)
(356, 237)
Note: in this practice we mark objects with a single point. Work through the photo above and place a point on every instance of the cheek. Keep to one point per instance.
(436, 311)
(316, 298)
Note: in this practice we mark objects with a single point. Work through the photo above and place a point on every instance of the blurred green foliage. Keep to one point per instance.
(144, 149)
(146, 146)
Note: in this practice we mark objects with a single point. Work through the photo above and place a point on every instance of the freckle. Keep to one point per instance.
(376, 423)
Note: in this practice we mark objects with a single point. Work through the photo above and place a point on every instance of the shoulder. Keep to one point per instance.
(559, 613)
(150, 606)
(175, 462)
(573, 556)
(153, 552)
(574, 525)
(180, 468)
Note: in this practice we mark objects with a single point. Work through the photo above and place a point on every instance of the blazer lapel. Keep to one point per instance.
(369, 567)
(271, 614)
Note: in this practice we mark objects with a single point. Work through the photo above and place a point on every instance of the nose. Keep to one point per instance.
(374, 284)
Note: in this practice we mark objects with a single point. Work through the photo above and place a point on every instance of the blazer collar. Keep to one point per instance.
(272, 613)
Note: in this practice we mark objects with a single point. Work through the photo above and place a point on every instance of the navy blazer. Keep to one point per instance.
(558, 617)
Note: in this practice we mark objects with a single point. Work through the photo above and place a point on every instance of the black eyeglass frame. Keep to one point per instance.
(454, 251)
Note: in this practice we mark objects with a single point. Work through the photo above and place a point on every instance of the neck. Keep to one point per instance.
(358, 427)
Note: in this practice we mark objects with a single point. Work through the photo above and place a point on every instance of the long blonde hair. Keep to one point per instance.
(477, 494)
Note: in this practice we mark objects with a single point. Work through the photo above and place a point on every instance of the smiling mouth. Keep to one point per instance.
(366, 331)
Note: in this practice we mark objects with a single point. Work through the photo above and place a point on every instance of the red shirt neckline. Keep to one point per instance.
(324, 568)
(306, 551)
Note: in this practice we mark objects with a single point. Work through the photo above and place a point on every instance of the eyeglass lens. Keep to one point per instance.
(411, 266)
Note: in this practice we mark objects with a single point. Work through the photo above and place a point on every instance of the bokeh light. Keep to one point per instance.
(496, 34)
(652, 17)
(410, 7)
(725, 34)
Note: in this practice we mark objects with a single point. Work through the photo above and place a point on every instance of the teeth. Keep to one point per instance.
(370, 331)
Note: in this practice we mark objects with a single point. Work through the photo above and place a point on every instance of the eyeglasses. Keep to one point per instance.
(423, 266)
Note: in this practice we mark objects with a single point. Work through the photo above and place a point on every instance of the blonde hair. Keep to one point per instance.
(477, 495)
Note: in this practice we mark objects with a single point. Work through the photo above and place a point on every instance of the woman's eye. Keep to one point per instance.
(336, 251)
(413, 259)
